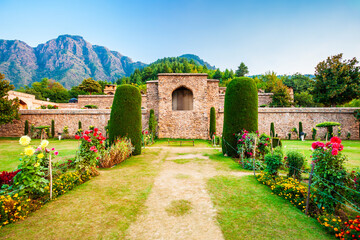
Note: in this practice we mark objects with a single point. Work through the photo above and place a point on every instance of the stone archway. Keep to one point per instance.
(22, 104)
(182, 99)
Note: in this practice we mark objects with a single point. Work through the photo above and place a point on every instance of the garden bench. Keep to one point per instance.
(181, 141)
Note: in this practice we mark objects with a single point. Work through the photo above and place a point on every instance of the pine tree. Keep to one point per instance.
(242, 70)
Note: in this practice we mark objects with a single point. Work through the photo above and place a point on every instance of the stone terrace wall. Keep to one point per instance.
(70, 118)
(283, 118)
(101, 101)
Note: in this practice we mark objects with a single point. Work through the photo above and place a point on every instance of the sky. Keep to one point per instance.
(284, 36)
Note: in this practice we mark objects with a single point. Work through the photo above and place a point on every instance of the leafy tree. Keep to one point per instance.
(217, 75)
(91, 86)
(304, 99)
(298, 82)
(281, 97)
(242, 70)
(47, 89)
(9, 108)
(103, 84)
(337, 81)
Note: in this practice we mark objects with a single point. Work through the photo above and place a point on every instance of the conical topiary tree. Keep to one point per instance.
(240, 111)
(212, 122)
(125, 117)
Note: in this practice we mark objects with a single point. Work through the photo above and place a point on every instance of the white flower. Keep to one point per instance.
(24, 141)
(44, 144)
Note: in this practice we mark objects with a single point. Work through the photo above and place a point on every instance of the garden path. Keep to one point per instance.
(182, 177)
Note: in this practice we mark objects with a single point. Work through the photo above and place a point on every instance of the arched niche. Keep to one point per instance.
(182, 99)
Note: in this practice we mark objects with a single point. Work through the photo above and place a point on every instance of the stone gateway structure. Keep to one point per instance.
(182, 103)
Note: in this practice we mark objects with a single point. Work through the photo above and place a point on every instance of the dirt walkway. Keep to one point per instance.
(182, 177)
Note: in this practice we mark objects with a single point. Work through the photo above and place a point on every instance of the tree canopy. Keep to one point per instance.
(337, 81)
(242, 70)
(9, 108)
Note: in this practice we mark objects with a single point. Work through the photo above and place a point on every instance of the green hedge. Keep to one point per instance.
(125, 117)
(212, 122)
(240, 111)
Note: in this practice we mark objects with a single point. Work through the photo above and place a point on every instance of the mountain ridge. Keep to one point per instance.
(67, 59)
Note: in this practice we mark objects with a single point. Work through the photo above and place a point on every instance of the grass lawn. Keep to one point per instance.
(10, 150)
(198, 143)
(351, 150)
(248, 210)
(102, 208)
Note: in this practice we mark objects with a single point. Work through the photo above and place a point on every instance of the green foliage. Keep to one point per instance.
(329, 126)
(295, 160)
(314, 132)
(298, 82)
(125, 117)
(329, 174)
(273, 163)
(276, 142)
(9, 108)
(47, 88)
(26, 129)
(53, 128)
(79, 125)
(300, 129)
(272, 130)
(353, 103)
(281, 96)
(152, 124)
(91, 106)
(304, 99)
(91, 86)
(212, 122)
(242, 70)
(240, 111)
(337, 81)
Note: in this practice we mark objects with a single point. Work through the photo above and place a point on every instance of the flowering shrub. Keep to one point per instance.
(329, 173)
(147, 138)
(91, 149)
(117, 153)
(263, 145)
(247, 163)
(295, 161)
(289, 189)
(245, 143)
(332, 223)
(351, 230)
(7, 177)
(16, 207)
(273, 163)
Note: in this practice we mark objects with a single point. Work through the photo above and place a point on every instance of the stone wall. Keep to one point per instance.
(101, 101)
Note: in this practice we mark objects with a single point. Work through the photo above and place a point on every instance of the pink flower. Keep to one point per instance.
(95, 150)
(265, 144)
(335, 140)
(89, 140)
(56, 153)
(334, 152)
(316, 145)
(38, 149)
(101, 142)
(53, 149)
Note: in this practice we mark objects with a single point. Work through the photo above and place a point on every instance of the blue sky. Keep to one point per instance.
(274, 35)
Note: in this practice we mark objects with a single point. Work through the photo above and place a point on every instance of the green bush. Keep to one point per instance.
(53, 128)
(329, 126)
(26, 130)
(91, 106)
(79, 125)
(273, 163)
(295, 161)
(272, 130)
(240, 111)
(152, 124)
(125, 117)
(314, 132)
(300, 128)
(212, 122)
(289, 136)
(276, 142)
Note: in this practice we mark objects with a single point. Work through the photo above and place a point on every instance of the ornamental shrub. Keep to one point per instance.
(276, 142)
(273, 163)
(152, 125)
(26, 130)
(300, 129)
(314, 132)
(272, 130)
(125, 117)
(53, 128)
(79, 125)
(295, 161)
(329, 173)
(212, 122)
(329, 126)
(240, 111)
(117, 153)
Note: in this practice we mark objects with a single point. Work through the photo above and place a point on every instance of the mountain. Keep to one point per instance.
(66, 59)
(197, 60)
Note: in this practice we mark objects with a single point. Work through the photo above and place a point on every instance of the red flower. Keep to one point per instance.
(87, 132)
(335, 140)
(96, 129)
(334, 152)
(77, 137)
(89, 140)
(85, 137)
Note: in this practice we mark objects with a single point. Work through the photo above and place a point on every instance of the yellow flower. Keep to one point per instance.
(37, 164)
(29, 151)
(41, 155)
(44, 144)
(24, 141)
(335, 229)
